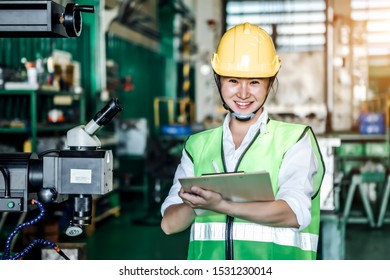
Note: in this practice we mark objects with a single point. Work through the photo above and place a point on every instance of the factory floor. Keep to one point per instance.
(136, 235)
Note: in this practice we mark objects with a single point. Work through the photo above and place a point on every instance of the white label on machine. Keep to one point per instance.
(80, 176)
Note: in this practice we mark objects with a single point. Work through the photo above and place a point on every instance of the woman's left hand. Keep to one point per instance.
(202, 198)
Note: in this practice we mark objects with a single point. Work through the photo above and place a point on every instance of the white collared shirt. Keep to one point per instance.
(295, 176)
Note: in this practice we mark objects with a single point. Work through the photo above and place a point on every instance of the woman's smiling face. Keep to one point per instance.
(244, 95)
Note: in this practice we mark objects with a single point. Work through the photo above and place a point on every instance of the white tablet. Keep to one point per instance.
(254, 186)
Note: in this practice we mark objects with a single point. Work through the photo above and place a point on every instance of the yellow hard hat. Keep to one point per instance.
(246, 51)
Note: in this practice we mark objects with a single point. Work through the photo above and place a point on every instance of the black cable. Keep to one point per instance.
(61, 253)
(48, 152)
(7, 189)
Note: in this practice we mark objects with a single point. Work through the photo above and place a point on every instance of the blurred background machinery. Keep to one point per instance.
(153, 55)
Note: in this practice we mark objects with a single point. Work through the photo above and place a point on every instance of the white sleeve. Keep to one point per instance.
(296, 180)
(184, 169)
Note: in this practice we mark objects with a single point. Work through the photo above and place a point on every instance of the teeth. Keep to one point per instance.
(243, 103)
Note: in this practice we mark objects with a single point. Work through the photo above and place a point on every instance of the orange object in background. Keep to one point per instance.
(55, 116)
(128, 84)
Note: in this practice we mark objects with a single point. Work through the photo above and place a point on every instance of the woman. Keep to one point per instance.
(245, 66)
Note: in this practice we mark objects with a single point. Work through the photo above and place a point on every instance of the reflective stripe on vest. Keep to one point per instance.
(256, 233)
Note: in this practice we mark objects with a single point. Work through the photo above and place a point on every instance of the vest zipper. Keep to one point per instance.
(229, 238)
(229, 248)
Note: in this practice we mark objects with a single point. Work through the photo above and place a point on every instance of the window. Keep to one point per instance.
(294, 25)
(376, 15)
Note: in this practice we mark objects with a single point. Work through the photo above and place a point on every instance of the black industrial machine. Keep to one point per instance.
(31, 181)
(81, 171)
(41, 19)
(28, 180)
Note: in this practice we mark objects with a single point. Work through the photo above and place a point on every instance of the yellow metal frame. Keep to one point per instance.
(184, 103)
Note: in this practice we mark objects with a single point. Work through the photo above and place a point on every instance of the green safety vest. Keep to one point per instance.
(217, 236)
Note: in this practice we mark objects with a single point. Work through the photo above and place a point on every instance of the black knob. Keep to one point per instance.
(47, 195)
(73, 19)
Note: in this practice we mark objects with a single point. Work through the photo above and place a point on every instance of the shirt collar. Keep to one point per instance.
(260, 124)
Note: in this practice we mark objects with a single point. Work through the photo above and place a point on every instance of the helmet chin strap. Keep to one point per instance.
(242, 117)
